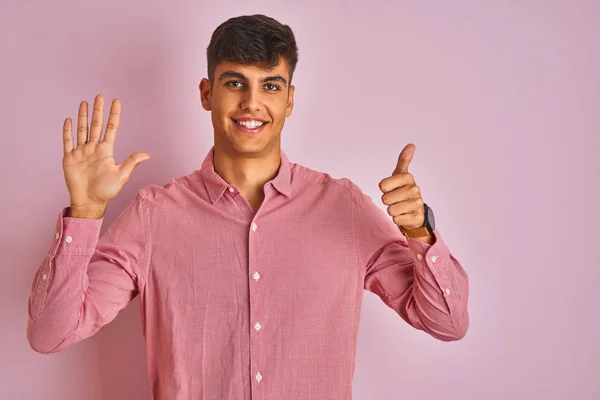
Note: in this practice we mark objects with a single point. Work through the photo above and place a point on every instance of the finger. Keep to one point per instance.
(113, 122)
(405, 192)
(395, 181)
(404, 159)
(97, 119)
(130, 163)
(67, 136)
(412, 206)
(82, 123)
(406, 220)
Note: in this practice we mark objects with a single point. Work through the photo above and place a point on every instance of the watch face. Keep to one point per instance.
(431, 218)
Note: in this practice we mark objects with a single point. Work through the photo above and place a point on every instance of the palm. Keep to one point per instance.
(91, 173)
(92, 177)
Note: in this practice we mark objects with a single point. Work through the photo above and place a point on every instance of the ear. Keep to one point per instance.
(205, 94)
(290, 103)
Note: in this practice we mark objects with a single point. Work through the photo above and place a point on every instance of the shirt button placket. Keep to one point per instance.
(257, 326)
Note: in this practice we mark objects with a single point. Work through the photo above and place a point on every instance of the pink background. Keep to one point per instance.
(502, 101)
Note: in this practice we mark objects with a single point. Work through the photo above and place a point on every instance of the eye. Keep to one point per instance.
(233, 84)
(272, 88)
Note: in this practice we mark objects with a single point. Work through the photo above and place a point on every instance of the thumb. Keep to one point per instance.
(130, 163)
(404, 159)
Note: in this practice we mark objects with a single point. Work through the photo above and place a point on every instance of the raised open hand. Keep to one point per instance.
(93, 177)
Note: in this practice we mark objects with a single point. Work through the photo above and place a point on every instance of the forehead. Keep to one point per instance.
(253, 71)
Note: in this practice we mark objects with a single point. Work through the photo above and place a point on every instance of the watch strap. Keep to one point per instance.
(415, 233)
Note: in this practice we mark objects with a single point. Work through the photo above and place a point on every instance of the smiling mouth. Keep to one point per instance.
(250, 126)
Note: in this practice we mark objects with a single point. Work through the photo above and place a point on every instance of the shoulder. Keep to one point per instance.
(319, 180)
(171, 190)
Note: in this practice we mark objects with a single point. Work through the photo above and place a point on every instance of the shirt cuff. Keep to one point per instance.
(75, 236)
(436, 258)
(436, 252)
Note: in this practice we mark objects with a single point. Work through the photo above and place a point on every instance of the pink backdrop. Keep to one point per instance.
(502, 102)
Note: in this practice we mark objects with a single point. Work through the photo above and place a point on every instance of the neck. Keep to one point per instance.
(247, 173)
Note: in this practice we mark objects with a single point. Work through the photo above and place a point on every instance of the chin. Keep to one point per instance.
(245, 147)
(250, 142)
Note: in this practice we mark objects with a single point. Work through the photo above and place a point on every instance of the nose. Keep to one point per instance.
(250, 100)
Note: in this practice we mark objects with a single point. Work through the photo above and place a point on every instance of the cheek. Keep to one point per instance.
(222, 114)
(278, 108)
(222, 103)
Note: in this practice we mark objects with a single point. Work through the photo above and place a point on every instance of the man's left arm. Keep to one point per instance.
(417, 277)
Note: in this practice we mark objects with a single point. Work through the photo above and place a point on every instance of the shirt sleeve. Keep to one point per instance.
(425, 284)
(84, 281)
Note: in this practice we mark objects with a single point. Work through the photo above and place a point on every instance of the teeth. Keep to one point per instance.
(251, 124)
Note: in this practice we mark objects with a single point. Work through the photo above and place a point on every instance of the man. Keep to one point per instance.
(251, 269)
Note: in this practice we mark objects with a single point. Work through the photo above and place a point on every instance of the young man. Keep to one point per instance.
(251, 269)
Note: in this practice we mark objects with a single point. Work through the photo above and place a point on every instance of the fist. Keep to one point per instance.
(402, 195)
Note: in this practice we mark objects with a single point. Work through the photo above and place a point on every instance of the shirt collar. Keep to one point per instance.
(216, 186)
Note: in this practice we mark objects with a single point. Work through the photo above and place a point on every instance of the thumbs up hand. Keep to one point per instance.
(402, 195)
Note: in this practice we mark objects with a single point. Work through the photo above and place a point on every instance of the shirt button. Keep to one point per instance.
(257, 326)
(256, 276)
(434, 258)
(420, 257)
(258, 377)
(254, 226)
(44, 277)
(447, 291)
(56, 235)
(231, 189)
(68, 239)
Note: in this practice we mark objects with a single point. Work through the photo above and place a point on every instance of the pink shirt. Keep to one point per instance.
(240, 305)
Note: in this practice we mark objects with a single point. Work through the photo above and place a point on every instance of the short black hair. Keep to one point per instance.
(252, 40)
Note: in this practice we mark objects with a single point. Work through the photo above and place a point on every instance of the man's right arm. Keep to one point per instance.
(84, 281)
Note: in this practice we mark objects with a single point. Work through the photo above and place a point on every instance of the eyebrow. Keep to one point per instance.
(238, 75)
